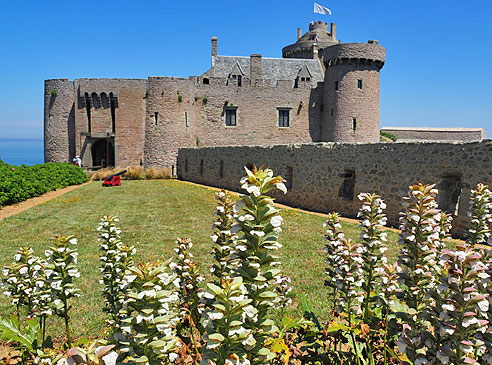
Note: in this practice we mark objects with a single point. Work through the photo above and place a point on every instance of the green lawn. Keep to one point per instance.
(152, 215)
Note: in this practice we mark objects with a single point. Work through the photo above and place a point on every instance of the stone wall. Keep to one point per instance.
(328, 177)
(190, 113)
(59, 120)
(437, 134)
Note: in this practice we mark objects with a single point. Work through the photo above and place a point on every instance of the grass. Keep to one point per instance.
(152, 215)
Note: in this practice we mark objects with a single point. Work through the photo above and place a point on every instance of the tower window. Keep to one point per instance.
(156, 116)
(359, 83)
(283, 117)
(336, 85)
(186, 165)
(201, 167)
(239, 80)
(187, 123)
(332, 111)
(354, 125)
(206, 81)
(230, 117)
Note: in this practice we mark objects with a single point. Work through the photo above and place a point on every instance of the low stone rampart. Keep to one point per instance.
(328, 177)
(437, 134)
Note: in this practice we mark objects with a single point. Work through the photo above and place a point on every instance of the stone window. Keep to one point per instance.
(88, 111)
(186, 165)
(230, 117)
(332, 111)
(289, 177)
(449, 188)
(336, 85)
(354, 125)
(187, 122)
(359, 84)
(206, 81)
(173, 171)
(348, 184)
(221, 169)
(112, 103)
(239, 79)
(283, 117)
(156, 116)
(201, 167)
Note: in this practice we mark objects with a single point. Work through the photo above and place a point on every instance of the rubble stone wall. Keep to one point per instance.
(321, 174)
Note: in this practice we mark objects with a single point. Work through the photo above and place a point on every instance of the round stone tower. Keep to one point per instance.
(351, 92)
(311, 44)
(59, 120)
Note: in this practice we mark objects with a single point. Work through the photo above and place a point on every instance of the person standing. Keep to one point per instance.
(77, 161)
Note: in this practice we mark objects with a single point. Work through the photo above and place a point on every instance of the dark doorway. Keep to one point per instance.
(448, 198)
(102, 153)
(348, 185)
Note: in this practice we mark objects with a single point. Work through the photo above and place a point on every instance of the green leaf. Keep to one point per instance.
(216, 337)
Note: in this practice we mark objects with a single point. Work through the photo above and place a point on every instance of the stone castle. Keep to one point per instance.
(322, 90)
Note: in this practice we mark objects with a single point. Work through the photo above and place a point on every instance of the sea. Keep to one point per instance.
(18, 151)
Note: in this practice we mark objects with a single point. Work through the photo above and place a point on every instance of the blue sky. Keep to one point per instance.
(438, 70)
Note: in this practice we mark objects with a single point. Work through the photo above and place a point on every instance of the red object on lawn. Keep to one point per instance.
(113, 180)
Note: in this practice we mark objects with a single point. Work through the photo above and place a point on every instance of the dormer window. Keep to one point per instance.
(237, 74)
(304, 75)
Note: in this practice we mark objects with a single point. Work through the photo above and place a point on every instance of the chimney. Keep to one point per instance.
(255, 68)
(299, 33)
(333, 31)
(214, 50)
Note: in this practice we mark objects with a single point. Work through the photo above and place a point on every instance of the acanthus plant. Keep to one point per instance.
(227, 340)
(480, 213)
(190, 296)
(24, 281)
(224, 240)
(463, 307)
(150, 314)
(419, 239)
(60, 271)
(333, 247)
(249, 293)
(479, 233)
(115, 258)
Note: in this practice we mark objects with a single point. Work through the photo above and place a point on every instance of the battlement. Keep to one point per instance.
(346, 53)
(319, 25)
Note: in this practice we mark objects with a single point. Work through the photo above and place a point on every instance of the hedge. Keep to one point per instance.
(18, 183)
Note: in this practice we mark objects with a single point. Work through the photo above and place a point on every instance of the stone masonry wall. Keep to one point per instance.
(190, 113)
(437, 134)
(319, 173)
(59, 120)
(129, 118)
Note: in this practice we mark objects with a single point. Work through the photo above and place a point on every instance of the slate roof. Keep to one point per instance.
(274, 69)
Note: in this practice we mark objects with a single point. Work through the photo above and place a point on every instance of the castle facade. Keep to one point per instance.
(321, 90)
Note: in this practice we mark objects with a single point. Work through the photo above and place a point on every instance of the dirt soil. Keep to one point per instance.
(11, 210)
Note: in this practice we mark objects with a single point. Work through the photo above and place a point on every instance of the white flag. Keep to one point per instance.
(321, 9)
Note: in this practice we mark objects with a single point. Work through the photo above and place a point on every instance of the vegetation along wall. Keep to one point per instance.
(328, 177)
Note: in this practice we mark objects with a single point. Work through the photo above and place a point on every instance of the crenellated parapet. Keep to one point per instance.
(370, 53)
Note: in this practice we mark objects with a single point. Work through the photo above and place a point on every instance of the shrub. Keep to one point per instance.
(18, 183)
(205, 99)
(53, 92)
(150, 173)
(388, 135)
(134, 172)
(180, 98)
(101, 174)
